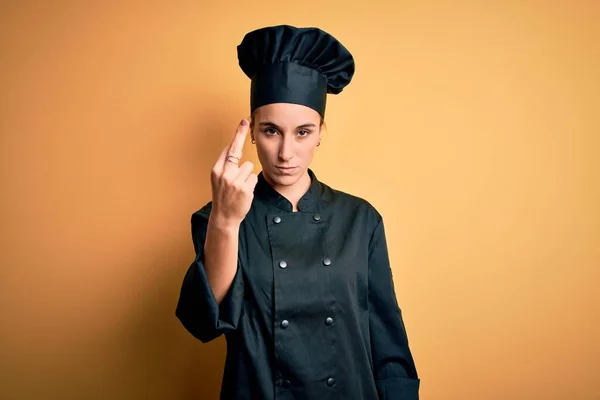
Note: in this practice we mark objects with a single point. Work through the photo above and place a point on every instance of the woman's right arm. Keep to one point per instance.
(212, 290)
(221, 255)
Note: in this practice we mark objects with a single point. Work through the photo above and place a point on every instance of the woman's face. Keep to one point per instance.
(286, 138)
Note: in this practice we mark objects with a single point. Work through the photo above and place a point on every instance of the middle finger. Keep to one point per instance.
(237, 145)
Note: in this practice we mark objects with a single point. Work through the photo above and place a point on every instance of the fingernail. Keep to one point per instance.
(244, 122)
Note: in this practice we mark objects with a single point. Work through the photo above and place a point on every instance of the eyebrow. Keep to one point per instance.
(274, 125)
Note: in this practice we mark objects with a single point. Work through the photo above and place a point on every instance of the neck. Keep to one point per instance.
(293, 193)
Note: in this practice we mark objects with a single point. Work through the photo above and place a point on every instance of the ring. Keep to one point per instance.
(230, 157)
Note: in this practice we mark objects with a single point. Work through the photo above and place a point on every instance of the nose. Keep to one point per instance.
(286, 149)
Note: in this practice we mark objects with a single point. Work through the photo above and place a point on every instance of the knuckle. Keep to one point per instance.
(226, 178)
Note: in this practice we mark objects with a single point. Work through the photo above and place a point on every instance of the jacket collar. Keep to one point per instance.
(265, 192)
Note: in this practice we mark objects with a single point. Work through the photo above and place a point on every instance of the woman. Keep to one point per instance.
(294, 273)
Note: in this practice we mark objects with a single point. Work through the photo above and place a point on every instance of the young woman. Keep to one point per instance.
(294, 273)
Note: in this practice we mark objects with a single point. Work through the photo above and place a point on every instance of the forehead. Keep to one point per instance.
(286, 113)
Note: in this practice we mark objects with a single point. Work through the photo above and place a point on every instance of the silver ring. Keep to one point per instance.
(230, 157)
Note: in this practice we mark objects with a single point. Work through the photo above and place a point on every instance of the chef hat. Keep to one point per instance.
(294, 65)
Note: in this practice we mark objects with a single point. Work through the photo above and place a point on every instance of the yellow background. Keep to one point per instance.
(471, 125)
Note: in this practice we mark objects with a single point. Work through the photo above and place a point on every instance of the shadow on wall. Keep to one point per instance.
(166, 361)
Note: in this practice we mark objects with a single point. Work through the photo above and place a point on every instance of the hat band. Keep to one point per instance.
(288, 82)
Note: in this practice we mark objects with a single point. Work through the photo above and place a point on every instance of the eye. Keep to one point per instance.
(270, 131)
(303, 133)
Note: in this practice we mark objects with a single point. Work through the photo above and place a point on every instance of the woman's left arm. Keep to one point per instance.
(394, 368)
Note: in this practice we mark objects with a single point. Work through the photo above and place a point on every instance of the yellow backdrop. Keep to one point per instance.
(471, 125)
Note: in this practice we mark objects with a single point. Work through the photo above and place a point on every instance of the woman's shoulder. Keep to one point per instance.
(346, 201)
(202, 214)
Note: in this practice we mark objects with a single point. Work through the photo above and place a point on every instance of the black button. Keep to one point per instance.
(326, 261)
(277, 220)
(328, 321)
(282, 264)
(317, 217)
(285, 323)
(330, 382)
(286, 384)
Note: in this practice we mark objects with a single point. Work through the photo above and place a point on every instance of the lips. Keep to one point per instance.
(286, 169)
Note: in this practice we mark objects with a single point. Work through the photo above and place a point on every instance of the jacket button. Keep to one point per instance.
(328, 321)
(326, 261)
(277, 220)
(317, 217)
(330, 382)
(285, 323)
(282, 264)
(286, 384)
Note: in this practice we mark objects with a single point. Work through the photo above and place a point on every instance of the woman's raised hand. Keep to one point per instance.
(233, 184)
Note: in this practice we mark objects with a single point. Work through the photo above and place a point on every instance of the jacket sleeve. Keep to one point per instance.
(197, 308)
(394, 368)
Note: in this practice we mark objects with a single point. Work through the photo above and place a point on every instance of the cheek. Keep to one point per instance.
(306, 151)
(266, 150)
